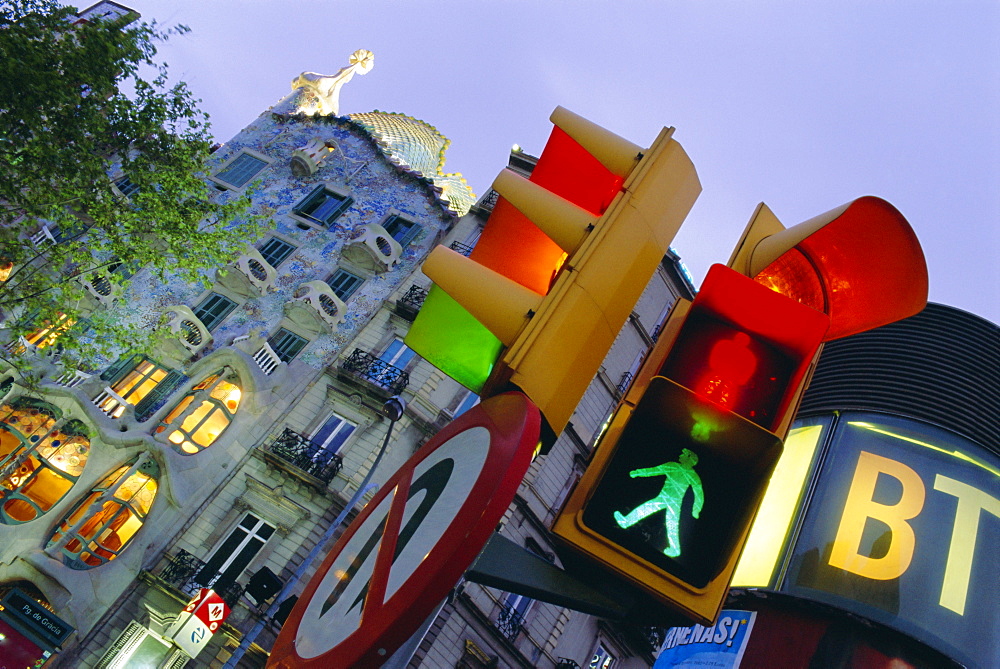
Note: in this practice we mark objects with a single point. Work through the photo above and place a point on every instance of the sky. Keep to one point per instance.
(802, 105)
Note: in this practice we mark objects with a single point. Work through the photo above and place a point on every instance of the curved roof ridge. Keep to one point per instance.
(419, 148)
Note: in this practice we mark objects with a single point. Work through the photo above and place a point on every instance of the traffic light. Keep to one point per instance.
(861, 263)
(676, 479)
(560, 263)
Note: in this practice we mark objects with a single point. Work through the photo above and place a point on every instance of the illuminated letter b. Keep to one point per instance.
(861, 506)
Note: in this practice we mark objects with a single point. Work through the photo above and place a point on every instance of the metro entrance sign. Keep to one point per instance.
(199, 620)
(413, 541)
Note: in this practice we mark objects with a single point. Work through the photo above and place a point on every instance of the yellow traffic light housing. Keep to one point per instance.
(560, 264)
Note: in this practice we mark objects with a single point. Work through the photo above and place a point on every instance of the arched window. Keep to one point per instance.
(203, 413)
(41, 457)
(108, 518)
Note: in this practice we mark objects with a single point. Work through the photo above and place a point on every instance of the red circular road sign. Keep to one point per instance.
(413, 541)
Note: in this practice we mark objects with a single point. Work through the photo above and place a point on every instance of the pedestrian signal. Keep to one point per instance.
(676, 479)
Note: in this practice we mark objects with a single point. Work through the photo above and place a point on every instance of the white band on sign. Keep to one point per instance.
(440, 484)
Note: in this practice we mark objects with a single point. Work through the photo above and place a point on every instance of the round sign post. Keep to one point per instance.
(413, 541)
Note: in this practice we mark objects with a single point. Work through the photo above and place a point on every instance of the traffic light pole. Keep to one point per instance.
(505, 565)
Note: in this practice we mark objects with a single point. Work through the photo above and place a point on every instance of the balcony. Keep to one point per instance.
(566, 663)
(374, 250)
(487, 202)
(459, 247)
(374, 373)
(101, 288)
(187, 574)
(249, 276)
(310, 157)
(316, 307)
(409, 304)
(191, 334)
(304, 456)
(510, 622)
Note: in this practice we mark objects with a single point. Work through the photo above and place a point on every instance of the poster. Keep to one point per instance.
(719, 646)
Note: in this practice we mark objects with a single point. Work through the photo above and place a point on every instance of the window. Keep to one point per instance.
(236, 551)
(47, 334)
(344, 284)
(105, 521)
(39, 461)
(322, 206)
(333, 433)
(213, 310)
(215, 402)
(143, 384)
(126, 187)
(511, 617)
(241, 170)
(602, 659)
(397, 354)
(402, 230)
(286, 345)
(275, 251)
(470, 400)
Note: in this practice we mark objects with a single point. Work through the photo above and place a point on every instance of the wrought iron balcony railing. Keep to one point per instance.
(414, 297)
(566, 663)
(189, 574)
(464, 249)
(488, 201)
(624, 383)
(368, 367)
(509, 622)
(306, 455)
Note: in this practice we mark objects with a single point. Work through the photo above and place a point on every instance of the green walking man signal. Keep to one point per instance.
(679, 477)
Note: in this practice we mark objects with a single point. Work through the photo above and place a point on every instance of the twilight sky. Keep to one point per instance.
(802, 105)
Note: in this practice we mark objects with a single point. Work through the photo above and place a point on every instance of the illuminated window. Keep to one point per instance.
(100, 527)
(144, 385)
(47, 334)
(202, 414)
(41, 457)
(6, 267)
(140, 647)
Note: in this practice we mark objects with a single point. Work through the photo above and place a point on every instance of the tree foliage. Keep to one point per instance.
(77, 113)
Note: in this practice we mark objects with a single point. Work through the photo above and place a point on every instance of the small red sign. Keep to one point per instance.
(209, 608)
